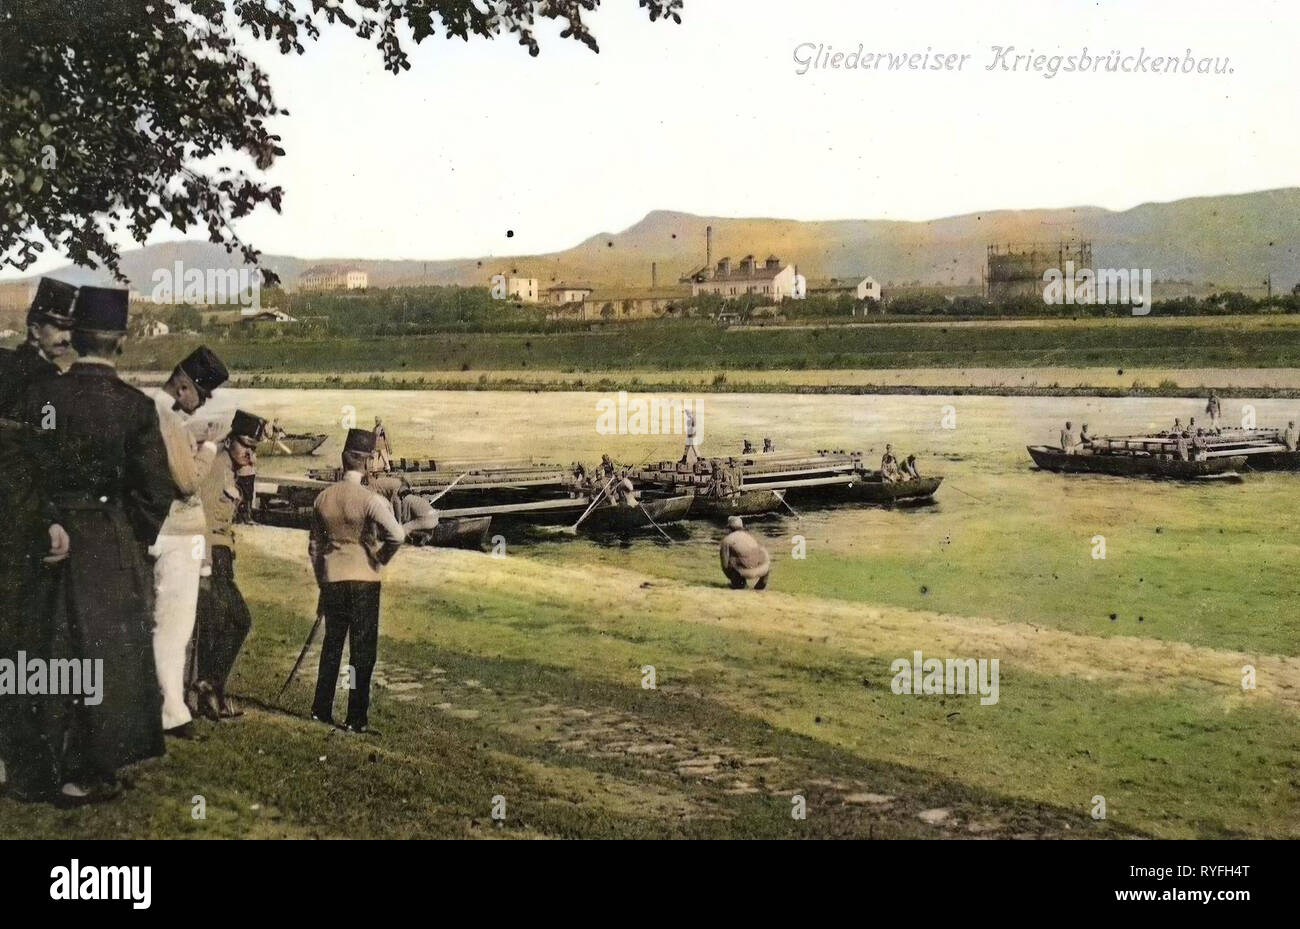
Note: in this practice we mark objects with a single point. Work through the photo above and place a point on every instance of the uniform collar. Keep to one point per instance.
(93, 364)
(353, 477)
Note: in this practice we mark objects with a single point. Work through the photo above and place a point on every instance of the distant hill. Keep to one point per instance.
(1230, 241)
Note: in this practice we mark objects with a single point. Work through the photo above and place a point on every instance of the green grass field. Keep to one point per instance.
(1227, 342)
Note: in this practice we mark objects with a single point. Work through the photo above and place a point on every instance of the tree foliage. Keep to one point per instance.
(122, 116)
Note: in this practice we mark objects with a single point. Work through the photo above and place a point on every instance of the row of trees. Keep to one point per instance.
(423, 310)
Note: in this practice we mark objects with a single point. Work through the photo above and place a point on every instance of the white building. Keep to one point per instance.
(333, 277)
(868, 289)
(859, 288)
(563, 293)
(523, 289)
(772, 280)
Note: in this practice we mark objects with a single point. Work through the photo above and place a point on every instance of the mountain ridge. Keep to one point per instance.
(1229, 240)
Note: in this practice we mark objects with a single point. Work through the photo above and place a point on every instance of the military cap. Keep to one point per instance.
(205, 370)
(100, 309)
(247, 426)
(52, 303)
(360, 440)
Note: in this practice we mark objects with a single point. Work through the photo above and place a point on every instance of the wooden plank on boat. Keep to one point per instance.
(505, 509)
(805, 482)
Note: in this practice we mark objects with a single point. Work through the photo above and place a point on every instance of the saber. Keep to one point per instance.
(306, 647)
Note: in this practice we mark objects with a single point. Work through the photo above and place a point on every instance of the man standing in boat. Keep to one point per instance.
(1289, 436)
(626, 490)
(1214, 410)
(889, 466)
(1200, 448)
(382, 447)
(743, 557)
(1069, 439)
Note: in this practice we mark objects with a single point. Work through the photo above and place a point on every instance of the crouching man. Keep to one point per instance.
(354, 534)
(223, 617)
(743, 557)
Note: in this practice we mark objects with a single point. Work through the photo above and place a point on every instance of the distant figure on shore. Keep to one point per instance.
(748, 449)
(1213, 409)
(768, 445)
(743, 557)
(1069, 439)
(1289, 438)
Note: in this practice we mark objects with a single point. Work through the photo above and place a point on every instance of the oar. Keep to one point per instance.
(780, 496)
(652, 520)
(960, 491)
(594, 500)
(446, 490)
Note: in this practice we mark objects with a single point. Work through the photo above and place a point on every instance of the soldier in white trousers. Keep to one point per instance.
(179, 552)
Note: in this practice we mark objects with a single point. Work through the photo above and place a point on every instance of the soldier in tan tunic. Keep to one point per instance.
(223, 618)
(354, 534)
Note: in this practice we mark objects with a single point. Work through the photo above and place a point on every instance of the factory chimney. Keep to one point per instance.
(654, 275)
(708, 246)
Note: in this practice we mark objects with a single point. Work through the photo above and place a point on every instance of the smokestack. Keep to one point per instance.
(654, 275)
(708, 246)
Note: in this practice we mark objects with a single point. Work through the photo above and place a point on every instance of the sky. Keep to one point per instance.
(480, 149)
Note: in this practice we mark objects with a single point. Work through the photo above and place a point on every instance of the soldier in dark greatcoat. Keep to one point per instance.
(49, 322)
(26, 757)
(107, 477)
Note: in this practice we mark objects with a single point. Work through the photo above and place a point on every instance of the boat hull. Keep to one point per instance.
(1050, 459)
(296, 445)
(459, 532)
(877, 491)
(744, 503)
(615, 517)
(1274, 461)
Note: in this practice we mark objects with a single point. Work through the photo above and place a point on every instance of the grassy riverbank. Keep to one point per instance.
(521, 677)
(678, 346)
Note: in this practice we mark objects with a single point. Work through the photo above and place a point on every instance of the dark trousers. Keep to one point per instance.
(351, 610)
(740, 582)
(245, 483)
(223, 622)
